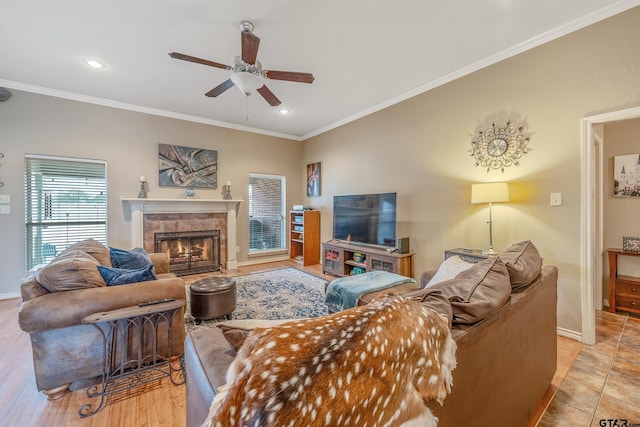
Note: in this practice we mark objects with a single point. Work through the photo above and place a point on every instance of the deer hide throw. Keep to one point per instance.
(373, 365)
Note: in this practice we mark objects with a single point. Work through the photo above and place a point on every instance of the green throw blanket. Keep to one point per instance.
(344, 293)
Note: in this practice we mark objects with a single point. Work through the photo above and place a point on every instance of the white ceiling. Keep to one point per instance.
(365, 54)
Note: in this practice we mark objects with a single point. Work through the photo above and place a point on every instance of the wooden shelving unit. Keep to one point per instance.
(304, 241)
(345, 259)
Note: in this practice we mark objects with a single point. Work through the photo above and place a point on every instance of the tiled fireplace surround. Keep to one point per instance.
(149, 216)
(185, 222)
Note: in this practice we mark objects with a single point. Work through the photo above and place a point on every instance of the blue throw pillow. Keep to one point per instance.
(132, 260)
(121, 276)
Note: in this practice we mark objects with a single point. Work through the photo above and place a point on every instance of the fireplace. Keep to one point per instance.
(190, 252)
(140, 210)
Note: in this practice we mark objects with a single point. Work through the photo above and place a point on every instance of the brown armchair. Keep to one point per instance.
(66, 352)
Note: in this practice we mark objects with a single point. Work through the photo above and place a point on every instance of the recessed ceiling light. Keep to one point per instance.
(94, 63)
(284, 111)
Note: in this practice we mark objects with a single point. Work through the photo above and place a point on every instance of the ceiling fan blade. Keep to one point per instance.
(189, 58)
(269, 96)
(250, 44)
(220, 88)
(290, 76)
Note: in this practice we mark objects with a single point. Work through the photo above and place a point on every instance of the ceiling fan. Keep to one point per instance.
(248, 74)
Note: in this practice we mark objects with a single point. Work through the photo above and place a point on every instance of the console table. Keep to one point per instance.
(624, 291)
(128, 329)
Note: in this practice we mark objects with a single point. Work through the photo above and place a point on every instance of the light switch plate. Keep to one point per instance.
(5, 209)
(5, 198)
(556, 199)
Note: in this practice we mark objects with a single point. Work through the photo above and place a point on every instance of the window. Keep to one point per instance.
(65, 202)
(267, 223)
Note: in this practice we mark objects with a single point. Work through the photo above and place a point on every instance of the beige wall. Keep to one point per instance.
(620, 214)
(420, 149)
(128, 141)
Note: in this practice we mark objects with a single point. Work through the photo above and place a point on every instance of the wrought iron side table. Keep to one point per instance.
(130, 330)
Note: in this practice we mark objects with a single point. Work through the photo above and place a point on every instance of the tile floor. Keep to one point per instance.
(602, 388)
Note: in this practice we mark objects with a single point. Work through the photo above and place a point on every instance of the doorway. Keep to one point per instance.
(591, 215)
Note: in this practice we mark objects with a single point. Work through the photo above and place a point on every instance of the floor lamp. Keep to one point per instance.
(492, 192)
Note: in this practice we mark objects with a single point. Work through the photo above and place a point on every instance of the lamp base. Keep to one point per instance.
(490, 252)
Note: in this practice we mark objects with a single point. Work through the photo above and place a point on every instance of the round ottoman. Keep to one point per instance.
(212, 297)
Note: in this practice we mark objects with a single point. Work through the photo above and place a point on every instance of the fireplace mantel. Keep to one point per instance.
(139, 207)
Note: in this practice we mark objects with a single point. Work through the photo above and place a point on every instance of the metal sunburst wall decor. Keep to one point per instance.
(500, 146)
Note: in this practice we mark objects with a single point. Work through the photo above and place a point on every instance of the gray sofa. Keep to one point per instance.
(505, 362)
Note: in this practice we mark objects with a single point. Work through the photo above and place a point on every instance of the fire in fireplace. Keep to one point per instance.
(190, 252)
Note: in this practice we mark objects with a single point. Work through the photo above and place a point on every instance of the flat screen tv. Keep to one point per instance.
(368, 219)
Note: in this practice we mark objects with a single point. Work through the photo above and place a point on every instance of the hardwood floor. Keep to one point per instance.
(162, 404)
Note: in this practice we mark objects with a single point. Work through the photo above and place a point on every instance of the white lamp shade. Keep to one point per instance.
(490, 192)
(246, 82)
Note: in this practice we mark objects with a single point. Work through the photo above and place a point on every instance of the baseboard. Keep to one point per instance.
(10, 295)
(264, 260)
(569, 334)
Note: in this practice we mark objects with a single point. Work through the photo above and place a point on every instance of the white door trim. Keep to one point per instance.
(591, 245)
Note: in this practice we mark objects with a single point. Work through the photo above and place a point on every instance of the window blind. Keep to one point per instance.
(266, 212)
(65, 202)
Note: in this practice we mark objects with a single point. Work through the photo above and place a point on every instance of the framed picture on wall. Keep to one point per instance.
(626, 175)
(313, 179)
(180, 166)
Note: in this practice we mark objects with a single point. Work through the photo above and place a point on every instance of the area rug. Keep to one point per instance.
(286, 293)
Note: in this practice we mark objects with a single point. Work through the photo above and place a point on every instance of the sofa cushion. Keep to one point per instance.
(92, 247)
(122, 276)
(477, 292)
(523, 262)
(132, 260)
(72, 269)
(434, 299)
(449, 269)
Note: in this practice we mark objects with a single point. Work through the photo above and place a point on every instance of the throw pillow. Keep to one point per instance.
(449, 269)
(93, 248)
(123, 276)
(477, 292)
(434, 299)
(131, 260)
(72, 269)
(236, 331)
(523, 262)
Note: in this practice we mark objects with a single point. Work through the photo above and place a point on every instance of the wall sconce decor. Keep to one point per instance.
(500, 146)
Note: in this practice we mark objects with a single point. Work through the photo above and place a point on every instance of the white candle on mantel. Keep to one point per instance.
(142, 178)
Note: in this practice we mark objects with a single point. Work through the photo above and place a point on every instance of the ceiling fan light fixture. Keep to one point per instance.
(246, 82)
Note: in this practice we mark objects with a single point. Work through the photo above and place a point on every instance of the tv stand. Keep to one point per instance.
(341, 259)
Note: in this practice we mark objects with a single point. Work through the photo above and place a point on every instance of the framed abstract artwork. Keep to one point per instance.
(313, 179)
(180, 166)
